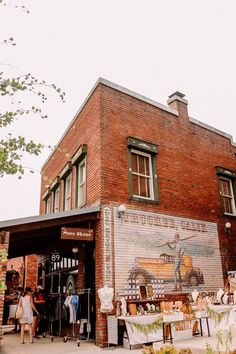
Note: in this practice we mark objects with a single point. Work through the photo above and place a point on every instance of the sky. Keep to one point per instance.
(151, 47)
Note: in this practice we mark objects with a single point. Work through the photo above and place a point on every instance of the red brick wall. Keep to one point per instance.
(84, 130)
(31, 271)
(188, 155)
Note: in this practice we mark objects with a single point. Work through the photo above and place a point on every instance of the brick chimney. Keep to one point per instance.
(179, 103)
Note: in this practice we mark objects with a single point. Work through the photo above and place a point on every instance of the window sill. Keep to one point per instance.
(233, 216)
(150, 201)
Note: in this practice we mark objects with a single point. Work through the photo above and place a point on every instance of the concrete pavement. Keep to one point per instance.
(11, 345)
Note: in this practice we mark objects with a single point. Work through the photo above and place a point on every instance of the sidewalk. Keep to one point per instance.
(11, 345)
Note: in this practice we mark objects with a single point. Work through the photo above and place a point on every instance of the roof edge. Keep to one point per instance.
(214, 130)
(115, 87)
(45, 217)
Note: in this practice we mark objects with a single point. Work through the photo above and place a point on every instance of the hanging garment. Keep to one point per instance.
(75, 306)
(68, 304)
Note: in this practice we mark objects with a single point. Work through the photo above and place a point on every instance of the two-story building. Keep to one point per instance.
(135, 192)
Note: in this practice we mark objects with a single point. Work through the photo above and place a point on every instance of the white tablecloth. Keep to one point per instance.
(230, 314)
(137, 336)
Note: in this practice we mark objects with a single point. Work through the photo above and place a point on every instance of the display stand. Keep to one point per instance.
(106, 296)
(108, 344)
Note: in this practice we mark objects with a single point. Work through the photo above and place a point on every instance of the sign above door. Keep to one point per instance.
(69, 233)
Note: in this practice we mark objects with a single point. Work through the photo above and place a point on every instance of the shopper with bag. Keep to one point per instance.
(27, 305)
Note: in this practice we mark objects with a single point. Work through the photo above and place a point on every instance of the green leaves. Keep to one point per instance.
(11, 153)
(12, 148)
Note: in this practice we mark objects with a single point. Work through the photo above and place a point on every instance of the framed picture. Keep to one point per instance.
(143, 292)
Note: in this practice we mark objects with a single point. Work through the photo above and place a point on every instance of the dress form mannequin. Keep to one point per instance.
(123, 306)
(225, 299)
(106, 295)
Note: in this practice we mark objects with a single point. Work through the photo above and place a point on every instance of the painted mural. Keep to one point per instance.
(171, 253)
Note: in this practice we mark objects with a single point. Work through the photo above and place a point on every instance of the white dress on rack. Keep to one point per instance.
(106, 296)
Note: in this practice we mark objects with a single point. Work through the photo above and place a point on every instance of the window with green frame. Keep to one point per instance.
(142, 170)
(79, 160)
(81, 183)
(227, 190)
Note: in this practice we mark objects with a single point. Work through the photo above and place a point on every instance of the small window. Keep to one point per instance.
(56, 201)
(142, 170)
(81, 183)
(142, 174)
(48, 205)
(227, 195)
(227, 190)
(67, 194)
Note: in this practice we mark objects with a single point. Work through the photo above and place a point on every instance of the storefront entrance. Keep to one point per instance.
(65, 268)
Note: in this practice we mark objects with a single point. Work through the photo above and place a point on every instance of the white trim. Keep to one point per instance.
(229, 197)
(147, 177)
(81, 186)
(67, 192)
(56, 193)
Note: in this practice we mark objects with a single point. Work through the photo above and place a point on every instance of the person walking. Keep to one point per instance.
(26, 301)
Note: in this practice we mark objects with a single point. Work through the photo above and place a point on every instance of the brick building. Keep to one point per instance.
(137, 173)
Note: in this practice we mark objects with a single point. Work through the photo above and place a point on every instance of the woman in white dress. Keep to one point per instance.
(26, 301)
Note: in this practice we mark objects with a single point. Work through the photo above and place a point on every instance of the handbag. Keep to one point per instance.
(19, 312)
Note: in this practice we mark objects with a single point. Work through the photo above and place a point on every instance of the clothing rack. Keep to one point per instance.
(79, 292)
(56, 295)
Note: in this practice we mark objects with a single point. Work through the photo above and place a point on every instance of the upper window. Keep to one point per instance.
(48, 205)
(142, 170)
(56, 201)
(67, 193)
(46, 197)
(227, 194)
(79, 161)
(142, 180)
(227, 181)
(81, 183)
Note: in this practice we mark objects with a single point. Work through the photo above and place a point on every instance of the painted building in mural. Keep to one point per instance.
(165, 186)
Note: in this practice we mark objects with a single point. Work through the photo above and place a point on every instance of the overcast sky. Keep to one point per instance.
(151, 47)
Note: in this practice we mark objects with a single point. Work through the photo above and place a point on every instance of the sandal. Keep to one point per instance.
(22, 342)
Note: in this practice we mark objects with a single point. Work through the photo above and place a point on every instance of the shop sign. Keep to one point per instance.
(69, 233)
(55, 257)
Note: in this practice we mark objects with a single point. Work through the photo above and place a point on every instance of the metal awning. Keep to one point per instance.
(41, 234)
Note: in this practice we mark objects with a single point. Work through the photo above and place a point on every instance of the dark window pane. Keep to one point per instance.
(143, 192)
(225, 187)
(135, 185)
(227, 205)
(147, 167)
(142, 165)
(134, 162)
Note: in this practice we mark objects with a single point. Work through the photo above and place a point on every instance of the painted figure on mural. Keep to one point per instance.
(178, 247)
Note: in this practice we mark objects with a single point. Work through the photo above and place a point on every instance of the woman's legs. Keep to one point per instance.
(34, 325)
(30, 332)
(22, 332)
